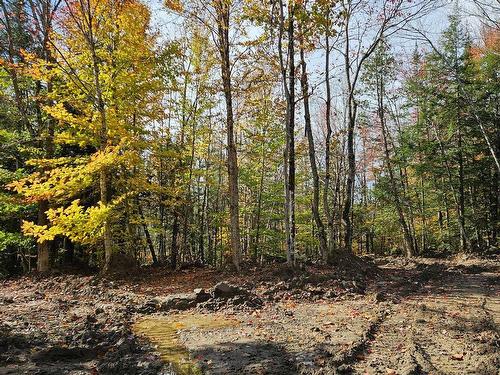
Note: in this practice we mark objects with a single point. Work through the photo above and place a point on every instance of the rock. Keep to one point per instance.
(181, 301)
(379, 297)
(226, 290)
(225, 295)
(330, 294)
(122, 263)
(344, 369)
(458, 356)
(315, 290)
(61, 354)
(201, 295)
(150, 306)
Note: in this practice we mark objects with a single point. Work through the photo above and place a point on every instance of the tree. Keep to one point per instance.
(101, 106)
(223, 13)
(358, 47)
(286, 25)
(219, 12)
(380, 70)
(303, 26)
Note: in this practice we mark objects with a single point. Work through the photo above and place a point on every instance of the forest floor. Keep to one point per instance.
(391, 316)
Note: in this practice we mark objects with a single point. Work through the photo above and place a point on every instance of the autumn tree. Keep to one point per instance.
(104, 92)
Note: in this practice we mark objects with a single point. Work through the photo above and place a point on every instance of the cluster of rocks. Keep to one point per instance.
(89, 329)
(223, 295)
(305, 289)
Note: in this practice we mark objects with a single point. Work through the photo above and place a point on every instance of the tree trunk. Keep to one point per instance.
(222, 8)
(326, 204)
(351, 157)
(147, 234)
(174, 249)
(43, 249)
(461, 191)
(351, 175)
(288, 77)
(312, 159)
(104, 182)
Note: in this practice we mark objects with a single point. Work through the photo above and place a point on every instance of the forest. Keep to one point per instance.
(253, 134)
(266, 153)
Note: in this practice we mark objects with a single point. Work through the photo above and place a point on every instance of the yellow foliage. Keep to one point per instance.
(113, 128)
(80, 224)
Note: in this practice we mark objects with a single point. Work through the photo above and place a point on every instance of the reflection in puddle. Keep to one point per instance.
(163, 332)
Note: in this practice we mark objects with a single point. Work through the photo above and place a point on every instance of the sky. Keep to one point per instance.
(433, 25)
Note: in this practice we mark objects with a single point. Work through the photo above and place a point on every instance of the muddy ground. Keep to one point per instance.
(392, 316)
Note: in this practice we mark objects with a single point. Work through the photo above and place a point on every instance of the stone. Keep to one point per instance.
(226, 290)
(201, 295)
(330, 294)
(181, 301)
(379, 297)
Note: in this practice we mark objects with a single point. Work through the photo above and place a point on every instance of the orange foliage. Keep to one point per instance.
(490, 42)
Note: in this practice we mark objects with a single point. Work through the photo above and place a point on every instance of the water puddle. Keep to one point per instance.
(163, 332)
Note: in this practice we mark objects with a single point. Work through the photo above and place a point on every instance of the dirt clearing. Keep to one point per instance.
(406, 317)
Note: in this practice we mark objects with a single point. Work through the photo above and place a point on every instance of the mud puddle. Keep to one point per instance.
(164, 334)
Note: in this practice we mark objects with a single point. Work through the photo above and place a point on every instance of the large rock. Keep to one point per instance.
(226, 295)
(225, 290)
(183, 301)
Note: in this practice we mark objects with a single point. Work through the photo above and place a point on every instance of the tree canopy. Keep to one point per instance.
(294, 131)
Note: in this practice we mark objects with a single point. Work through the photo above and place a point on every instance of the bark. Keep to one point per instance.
(351, 175)
(495, 188)
(104, 181)
(162, 210)
(312, 158)
(223, 20)
(291, 133)
(326, 203)
(461, 192)
(43, 249)
(204, 208)
(351, 158)
(288, 77)
(174, 249)
(149, 241)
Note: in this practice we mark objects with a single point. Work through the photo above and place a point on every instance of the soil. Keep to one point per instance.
(390, 316)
